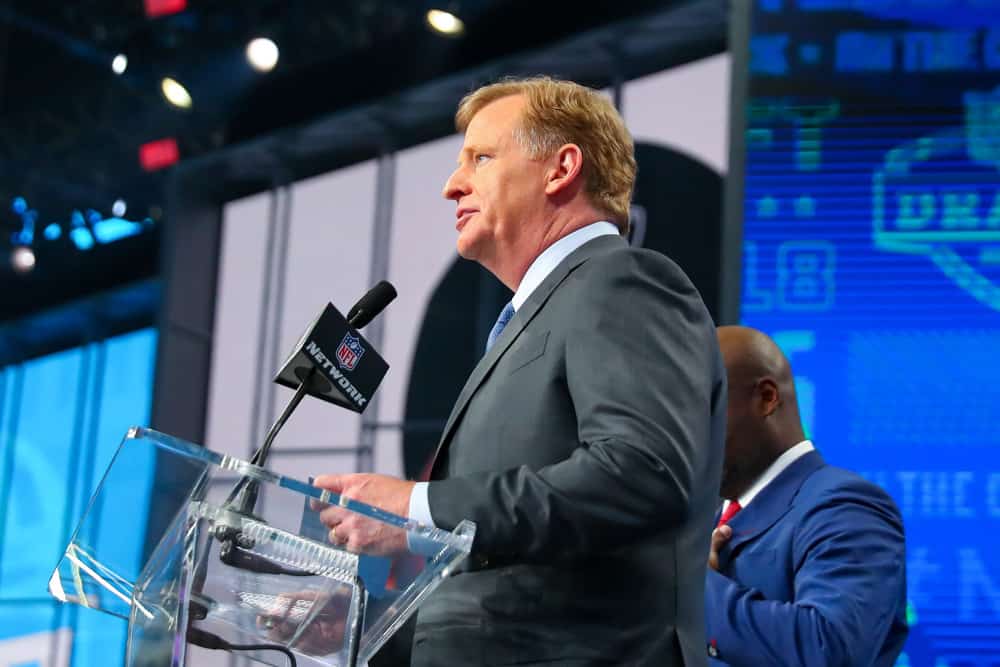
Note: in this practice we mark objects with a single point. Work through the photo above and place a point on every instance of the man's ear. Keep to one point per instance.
(770, 396)
(566, 165)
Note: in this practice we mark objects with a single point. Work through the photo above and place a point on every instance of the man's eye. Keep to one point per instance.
(481, 157)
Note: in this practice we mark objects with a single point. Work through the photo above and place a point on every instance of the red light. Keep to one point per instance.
(157, 8)
(159, 154)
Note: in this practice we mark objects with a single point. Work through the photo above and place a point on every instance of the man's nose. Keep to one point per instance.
(456, 186)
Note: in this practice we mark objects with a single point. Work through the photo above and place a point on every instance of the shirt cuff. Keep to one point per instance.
(420, 511)
(420, 506)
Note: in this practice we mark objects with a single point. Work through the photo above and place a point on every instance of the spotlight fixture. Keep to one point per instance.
(22, 259)
(118, 208)
(262, 54)
(175, 93)
(119, 64)
(445, 22)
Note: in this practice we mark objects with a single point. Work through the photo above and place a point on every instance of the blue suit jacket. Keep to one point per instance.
(813, 575)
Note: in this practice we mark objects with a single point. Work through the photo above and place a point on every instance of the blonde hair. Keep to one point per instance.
(562, 112)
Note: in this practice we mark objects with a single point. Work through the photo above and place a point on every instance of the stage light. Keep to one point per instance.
(119, 64)
(118, 208)
(158, 154)
(22, 259)
(175, 93)
(445, 23)
(262, 54)
(110, 230)
(19, 205)
(53, 232)
(79, 233)
(82, 238)
(158, 8)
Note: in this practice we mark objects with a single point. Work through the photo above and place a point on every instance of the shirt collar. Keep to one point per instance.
(788, 458)
(550, 258)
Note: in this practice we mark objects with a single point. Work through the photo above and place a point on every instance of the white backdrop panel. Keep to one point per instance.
(686, 108)
(422, 247)
(237, 313)
(329, 258)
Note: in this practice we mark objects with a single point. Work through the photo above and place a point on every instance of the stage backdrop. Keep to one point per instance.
(284, 254)
(872, 255)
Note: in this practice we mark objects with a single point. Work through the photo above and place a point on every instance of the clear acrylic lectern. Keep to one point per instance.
(262, 577)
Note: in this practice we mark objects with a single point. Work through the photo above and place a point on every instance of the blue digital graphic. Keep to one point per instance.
(872, 256)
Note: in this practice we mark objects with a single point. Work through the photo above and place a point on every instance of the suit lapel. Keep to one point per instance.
(518, 323)
(773, 501)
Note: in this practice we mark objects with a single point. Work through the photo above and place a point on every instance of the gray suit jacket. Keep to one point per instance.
(587, 447)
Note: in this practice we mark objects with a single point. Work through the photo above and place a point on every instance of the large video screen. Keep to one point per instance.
(872, 255)
(62, 417)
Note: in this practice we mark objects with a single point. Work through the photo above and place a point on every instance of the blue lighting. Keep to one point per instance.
(86, 227)
(82, 238)
(114, 229)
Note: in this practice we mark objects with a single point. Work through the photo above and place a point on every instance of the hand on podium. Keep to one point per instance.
(357, 533)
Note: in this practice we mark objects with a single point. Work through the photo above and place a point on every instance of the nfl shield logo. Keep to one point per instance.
(349, 352)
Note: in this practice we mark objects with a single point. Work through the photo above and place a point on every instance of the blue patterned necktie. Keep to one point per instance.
(505, 315)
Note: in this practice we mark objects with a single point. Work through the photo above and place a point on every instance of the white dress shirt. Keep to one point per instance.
(788, 458)
(544, 264)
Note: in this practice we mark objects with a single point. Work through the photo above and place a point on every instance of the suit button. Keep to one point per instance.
(481, 561)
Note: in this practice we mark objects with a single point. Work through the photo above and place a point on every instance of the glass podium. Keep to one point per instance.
(236, 558)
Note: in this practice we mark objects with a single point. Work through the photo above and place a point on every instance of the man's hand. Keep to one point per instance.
(720, 536)
(325, 633)
(358, 533)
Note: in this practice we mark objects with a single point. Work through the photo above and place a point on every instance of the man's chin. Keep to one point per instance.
(466, 249)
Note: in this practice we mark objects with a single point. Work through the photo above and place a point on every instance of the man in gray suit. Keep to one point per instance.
(587, 444)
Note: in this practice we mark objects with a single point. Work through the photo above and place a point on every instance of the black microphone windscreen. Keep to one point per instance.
(371, 304)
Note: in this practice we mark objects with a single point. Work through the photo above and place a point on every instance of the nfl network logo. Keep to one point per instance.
(349, 352)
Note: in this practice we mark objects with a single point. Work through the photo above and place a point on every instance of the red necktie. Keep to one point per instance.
(731, 509)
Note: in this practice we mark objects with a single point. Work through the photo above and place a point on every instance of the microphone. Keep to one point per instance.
(371, 304)
(347, 377)
(349, 354)
(332, 361)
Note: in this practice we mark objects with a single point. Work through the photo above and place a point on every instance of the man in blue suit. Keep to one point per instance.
(807, 566)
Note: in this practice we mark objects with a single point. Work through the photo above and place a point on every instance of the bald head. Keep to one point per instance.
(763, 415)
(751, 355)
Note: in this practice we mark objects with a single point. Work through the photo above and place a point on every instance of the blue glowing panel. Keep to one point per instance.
(126, 385)
(872, 255)
(61, 418)
(26, 632)
(44, 450)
